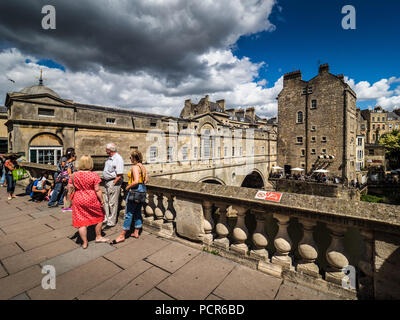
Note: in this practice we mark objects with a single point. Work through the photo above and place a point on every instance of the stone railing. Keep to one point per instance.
(349, 248)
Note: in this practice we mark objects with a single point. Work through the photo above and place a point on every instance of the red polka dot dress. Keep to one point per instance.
(86, 207)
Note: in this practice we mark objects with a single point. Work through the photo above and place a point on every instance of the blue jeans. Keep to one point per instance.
(10, 183)
(3, 177)
(57, 195)
(133, 211)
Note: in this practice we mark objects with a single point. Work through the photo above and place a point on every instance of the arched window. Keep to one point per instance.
(299, 117)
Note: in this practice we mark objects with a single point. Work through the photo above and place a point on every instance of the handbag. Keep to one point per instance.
(18, 174)
(137, 196)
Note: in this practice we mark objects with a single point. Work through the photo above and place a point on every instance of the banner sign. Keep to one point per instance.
(268, 195)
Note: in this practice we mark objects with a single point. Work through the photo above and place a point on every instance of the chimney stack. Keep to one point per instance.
(323, 68)
(295, 75)
(250, 112)
(221, 104)
(240, 113)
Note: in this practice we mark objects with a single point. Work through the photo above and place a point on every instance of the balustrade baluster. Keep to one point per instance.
(240, 232)
(282, 242)
(150, 207)
(208, 223)
(308, 250)
(336, 257)
(259, 237)
(222, 229)
(159, 211)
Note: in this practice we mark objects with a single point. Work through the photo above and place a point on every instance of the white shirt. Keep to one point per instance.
(113, 167)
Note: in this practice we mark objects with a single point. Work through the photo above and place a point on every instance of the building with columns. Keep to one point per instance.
(40, 125)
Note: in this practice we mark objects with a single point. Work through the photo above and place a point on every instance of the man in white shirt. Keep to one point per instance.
(113, 177)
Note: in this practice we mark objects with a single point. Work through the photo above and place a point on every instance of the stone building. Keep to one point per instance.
(375, 156)
(317, 124)
(41, 125)
(378, 122)
(3, 130)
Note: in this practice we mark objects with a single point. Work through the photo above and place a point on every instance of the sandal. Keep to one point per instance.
(115, 241)
(85, 247)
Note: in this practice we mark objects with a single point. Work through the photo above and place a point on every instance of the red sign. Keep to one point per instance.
(268, 195)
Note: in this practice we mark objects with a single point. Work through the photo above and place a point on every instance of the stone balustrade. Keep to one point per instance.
(350, 248)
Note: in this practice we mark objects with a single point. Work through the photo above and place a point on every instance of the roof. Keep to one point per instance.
(126, 111)
(392, 116)
(3, 109)
(38, 89)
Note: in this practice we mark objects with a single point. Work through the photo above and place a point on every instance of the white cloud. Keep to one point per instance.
(229, 78)
(380, 92)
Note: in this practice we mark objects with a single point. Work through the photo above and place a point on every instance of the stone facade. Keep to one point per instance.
(3, 130)
(41, 125)
(317, 124)
(375, 156)
(378, 122)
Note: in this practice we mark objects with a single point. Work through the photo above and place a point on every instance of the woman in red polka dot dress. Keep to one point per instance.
(87, 200)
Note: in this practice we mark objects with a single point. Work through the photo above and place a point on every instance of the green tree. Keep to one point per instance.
(391, 142)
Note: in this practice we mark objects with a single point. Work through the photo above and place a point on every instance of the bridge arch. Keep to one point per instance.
(212, 180)
(254, 179)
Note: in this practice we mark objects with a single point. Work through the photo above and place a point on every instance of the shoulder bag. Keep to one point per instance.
(137, 196)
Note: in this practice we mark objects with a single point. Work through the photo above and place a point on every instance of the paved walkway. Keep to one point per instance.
(32, 236)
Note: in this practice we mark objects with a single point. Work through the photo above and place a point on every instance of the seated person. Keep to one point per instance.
(41, 188)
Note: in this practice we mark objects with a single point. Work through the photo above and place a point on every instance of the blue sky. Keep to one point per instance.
(308, 32)
(151, 55)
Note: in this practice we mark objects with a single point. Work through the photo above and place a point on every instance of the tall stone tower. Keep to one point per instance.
(317, 124)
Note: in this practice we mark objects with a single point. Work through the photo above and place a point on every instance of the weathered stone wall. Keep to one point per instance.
(316, 189)
(387, 265)
(331, 95)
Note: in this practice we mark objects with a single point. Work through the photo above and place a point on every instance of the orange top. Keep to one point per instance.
(141, 176)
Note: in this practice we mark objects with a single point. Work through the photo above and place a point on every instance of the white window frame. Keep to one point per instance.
(46, 148)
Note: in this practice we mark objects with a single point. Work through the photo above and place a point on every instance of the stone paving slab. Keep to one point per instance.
(155, 294)
(244, 283)
(43, 213)
(75, 282)
(51, 236)
(173, 257)
(23, 260)
(18, 219)
(7, 210)
(6, 216)
(213, 297)
(22, 296)
(198, 278)
(110, 287)
(3, 273)
(9, 250)
(28, 225)
(141, 284)
(137, 250)
(59, 224)
(77, 257)
(292, 291)
(20, 282)
(24, 234)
